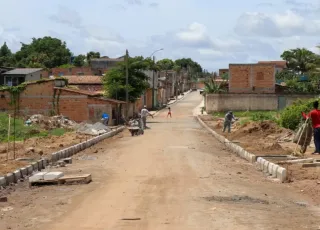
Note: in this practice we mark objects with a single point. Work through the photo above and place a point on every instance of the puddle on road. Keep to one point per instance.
(236, 199)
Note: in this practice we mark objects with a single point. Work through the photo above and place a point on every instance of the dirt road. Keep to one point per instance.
(174, 177)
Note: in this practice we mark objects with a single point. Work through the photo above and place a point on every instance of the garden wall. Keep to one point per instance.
(243, 102)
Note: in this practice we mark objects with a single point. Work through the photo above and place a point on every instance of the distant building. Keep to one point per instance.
(17, 76)
(101, 65)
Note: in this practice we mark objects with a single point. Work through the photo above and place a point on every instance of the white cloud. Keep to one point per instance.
(195, 35)
(285, 24)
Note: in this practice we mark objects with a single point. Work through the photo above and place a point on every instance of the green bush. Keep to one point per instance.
(291, 116)
(262, 116)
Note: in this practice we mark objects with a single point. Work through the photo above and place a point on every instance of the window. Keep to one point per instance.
(14, 81)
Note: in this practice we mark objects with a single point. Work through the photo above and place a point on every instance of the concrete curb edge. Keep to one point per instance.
(28, 170)
(263, 165)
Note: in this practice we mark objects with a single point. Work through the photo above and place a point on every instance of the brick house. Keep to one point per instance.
(46, 98)
(101, 65)
(86, 83)
(252, 78)
(74, 71)
(223, 71)
(279, 65)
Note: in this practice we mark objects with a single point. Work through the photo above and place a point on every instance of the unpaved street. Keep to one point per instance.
(174, 177)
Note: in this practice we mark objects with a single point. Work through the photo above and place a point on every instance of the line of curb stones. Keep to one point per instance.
(28, 170)
(262, 164)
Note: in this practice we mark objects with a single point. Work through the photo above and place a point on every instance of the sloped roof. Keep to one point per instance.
(23, 71)
(92, 94)
(84, 80)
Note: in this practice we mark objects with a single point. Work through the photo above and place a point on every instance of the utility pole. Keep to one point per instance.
(153, 76)
(127, 83)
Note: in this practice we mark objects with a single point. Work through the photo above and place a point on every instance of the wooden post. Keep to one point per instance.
(8, 138)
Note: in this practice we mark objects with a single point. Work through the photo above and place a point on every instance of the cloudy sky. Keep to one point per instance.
(213, 33)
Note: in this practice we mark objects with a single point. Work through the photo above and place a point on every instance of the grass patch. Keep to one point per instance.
(247, 116)
(23, 131)
(240, 114)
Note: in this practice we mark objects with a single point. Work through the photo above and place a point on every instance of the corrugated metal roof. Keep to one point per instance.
(23, 71)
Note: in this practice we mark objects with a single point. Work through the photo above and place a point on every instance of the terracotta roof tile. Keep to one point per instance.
(84, 80)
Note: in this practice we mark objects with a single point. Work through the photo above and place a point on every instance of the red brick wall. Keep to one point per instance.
(222, 71)
(72, 71)
(252, 78)
(38, 99)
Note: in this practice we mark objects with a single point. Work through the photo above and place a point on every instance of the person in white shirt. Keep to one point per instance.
(144, 113)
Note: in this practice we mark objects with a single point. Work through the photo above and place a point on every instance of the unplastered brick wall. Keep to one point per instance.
(72, 71)
(36, 98)
(223, 71)
(252, 78)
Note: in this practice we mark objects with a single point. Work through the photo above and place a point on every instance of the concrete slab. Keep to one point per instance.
(29, 169)
(265, 166)
(306, 165)
(35, 166)
(24, 172)
(17, 175)
(3, 182)
(270, 167)
(40, 165)
(68, 160)
(53, 175)
(9, 178)
(262, 164)
(54, 157)
(37, 177)
(282, 174)
(274, 170)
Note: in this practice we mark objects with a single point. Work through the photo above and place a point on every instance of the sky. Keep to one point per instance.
(213, 33)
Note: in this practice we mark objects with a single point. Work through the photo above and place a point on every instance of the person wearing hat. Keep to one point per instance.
(228, 121)
(144, 113)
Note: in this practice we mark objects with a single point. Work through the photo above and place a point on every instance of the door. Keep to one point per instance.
(282, 102)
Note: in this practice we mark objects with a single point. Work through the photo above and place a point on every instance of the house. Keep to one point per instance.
(223, 71)
(87, 83)
(17, 76)
(279, 65)
(76, 71)
(46, 98)
(252, 78)
(101, 65)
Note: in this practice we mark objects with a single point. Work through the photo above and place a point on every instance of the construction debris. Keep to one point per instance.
(93, 130)
(51, 122)
(58, 178)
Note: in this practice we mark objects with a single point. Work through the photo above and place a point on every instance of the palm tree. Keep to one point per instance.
(300, 60)
(212, 87)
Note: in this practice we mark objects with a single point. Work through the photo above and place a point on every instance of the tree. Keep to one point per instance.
(79, 60)
(6, 56)
(187, 63)
(212, 87)
(300, 60)
(165, 64)
(46, 52)
(92, 54)
(115, 80)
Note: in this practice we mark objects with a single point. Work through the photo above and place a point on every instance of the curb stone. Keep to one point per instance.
(262, 164)
(28, 170)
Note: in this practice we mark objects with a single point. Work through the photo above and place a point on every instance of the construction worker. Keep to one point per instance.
(144, 113)
(228, 121)
(105, 119)
(314, 115)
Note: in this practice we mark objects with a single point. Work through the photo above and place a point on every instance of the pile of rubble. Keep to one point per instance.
(49, 123)
(92, 129)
